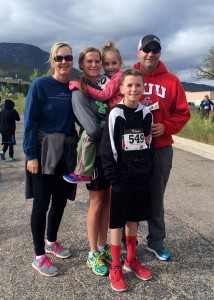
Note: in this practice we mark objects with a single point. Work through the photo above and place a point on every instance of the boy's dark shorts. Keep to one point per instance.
(130, 206)
(98, 182)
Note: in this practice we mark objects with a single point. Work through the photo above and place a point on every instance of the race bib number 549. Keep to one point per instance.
(133, 139)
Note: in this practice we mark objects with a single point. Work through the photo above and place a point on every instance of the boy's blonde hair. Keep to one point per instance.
(132, 72)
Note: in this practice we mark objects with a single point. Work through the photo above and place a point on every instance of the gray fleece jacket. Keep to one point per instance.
(91, 115)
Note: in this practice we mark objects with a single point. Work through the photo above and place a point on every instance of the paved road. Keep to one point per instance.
(189, 208)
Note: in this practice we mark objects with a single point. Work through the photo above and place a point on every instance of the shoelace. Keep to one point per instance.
(98, 260)
(108, 251)
(76, 178)
(118, 272)
(137, 265)
(45, 259)
(163, 250)
(58, 245)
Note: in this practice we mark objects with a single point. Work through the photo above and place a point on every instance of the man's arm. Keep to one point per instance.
(180, 114)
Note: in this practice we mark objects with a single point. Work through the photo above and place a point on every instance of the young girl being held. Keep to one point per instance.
(111, 62)
(110, 81)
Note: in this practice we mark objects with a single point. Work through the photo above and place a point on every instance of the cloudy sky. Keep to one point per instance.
(185, 27)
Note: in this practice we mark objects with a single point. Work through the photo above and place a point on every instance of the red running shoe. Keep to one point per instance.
(118, 283)
(136, 267)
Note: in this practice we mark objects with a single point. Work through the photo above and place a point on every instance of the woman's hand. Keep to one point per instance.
(33, 166)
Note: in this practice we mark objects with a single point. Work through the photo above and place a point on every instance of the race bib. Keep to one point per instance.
(133, 139)
(154, 106)
(103, 80)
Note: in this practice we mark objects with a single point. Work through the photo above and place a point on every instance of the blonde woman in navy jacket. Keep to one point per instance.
(49, 125)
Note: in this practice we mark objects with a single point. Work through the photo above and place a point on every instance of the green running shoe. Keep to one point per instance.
(123, 256)
(96, 264)
(107, 254)
(2, 155)
(11, 159)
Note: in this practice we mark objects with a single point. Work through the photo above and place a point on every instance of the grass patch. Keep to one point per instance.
(199, 128)
(19, 101)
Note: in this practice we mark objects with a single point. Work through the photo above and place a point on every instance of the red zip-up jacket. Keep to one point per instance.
(166, 99)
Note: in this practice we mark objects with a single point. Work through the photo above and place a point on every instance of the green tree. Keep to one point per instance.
(34, 75)
(206, 69)
(25, 89)
(20, 86)
(45, 74)
(172, 71)
(7, 86)
(37, 73)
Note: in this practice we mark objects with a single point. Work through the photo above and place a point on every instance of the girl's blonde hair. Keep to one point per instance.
(83, 79)
(109, 47)
(53, 53)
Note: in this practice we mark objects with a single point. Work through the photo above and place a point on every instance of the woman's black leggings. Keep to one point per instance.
(46, 189)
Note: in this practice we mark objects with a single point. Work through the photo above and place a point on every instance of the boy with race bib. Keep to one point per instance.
(127, 158)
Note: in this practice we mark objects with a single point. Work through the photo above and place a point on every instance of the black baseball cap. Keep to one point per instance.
(145, 40)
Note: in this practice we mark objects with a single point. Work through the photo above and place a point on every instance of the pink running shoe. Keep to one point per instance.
(44, 266)
(136, 267)
(57, 249)
(73, 178)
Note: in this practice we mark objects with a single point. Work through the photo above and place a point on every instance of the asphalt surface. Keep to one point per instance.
(189, 213)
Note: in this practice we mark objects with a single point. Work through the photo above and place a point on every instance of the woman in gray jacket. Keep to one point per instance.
(91, 114)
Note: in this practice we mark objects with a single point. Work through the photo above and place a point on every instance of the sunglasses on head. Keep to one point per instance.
(154, 50)
(59, 58)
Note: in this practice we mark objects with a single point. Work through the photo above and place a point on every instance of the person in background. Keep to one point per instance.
(91, 115)
(49, 144)
(165, 97)
(127, 158)
(0, 103)
(111, 62)
(206, 105)
(8, 118)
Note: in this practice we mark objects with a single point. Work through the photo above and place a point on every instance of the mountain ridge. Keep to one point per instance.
(18, 61)
(195, 87)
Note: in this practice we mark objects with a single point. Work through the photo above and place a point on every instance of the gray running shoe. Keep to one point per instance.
(57, 249)
(44, 266)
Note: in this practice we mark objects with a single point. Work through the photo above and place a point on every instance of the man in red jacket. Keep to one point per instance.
(165, 97)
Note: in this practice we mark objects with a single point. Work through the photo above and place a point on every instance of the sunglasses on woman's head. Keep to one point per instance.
(154, 50)
(59, 58)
